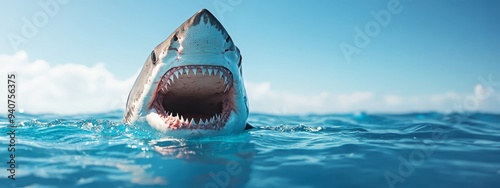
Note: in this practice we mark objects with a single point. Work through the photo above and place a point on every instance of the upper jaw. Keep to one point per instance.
(175, 73)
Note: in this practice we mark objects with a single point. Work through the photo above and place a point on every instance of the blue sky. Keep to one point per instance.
(428, 49)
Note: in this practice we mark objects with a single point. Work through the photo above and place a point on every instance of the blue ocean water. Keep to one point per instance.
(344, 150)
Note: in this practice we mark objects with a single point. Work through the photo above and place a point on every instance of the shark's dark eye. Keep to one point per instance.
(153, 57)
(175, 38)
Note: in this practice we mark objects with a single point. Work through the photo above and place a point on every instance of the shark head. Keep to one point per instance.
(191, 83)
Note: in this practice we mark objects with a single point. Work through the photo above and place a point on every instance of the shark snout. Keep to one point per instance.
(203, 33)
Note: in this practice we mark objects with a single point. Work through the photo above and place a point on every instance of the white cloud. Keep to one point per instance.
(73, 88)
(392, 99)
(64, 89)
(263, 98)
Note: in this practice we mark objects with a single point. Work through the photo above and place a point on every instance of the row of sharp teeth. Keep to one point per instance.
(204, 71)
(201, 121)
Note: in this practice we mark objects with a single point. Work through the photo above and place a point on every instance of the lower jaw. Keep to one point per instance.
(177, 122)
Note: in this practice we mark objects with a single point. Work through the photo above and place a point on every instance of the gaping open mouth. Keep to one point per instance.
(195, 97)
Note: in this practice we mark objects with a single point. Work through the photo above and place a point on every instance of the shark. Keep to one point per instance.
(191, 83)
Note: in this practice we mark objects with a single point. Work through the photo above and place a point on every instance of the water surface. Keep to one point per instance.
(342, 150)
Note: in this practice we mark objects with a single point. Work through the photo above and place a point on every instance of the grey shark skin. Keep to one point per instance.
(191, 83)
